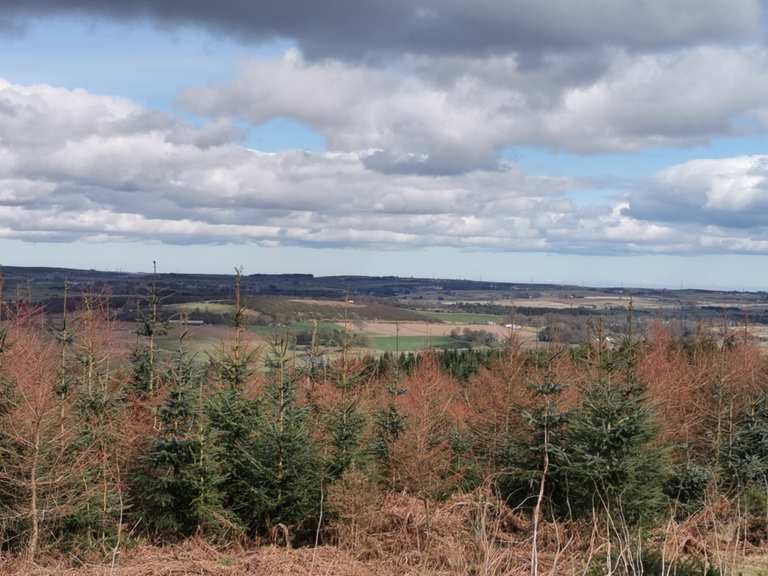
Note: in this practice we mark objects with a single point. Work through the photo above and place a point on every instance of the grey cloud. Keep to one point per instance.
(435, 162)
(9, 27)
(216, 133)
(356, 28)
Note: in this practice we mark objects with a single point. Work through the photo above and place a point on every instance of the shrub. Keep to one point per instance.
(612, 463)
(745, 457)
(687, 485)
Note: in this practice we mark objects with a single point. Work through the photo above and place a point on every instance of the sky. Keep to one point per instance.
(598, 142)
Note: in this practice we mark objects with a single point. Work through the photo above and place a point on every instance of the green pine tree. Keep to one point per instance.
(613, 464)
(178, 489)
(345, 428)
(744, 458)
(389, 424)
(233, 365)
(273, 465)
(346, 423)
(145, 358)
(538, 454)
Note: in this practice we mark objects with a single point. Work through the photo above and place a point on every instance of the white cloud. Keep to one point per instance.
(448, 115)
(723, 192)
(97, 167)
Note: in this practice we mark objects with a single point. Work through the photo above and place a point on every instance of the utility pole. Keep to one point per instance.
(154, 299)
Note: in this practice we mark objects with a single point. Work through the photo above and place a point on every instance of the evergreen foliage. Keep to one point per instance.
(600, 456)
(177, 490)
(145, 357)
(234, 420)
(687, 485)
(389, 424)
(522, 458)
(745, 457)
(234, 364)
(612, 463)
(346, 425)
(272, 463)
(229, 450)
(463, 364)
(141, 369)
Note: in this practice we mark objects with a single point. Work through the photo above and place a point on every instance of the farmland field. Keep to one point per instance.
(427, 329)
(209, 307)
(409, 343)
(462, 317)
(292, 309)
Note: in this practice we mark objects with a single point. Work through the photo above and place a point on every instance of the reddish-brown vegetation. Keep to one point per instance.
(418, 512)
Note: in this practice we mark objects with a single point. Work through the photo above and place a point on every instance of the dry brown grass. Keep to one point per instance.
(385, 534)
(197, 558)
(396, 528)
(467, 534)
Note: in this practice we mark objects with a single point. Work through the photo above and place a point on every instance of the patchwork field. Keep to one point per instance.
(406, 336)
(374, 322)
(565, 303)
(328, 303)
(428, 311)
(202, 340)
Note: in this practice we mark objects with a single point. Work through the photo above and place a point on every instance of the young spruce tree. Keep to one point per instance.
(145, 356)
(533, 465)
(614, 466)
(346, 423)
(178, 489)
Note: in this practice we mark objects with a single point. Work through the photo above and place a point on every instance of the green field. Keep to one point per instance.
(409, 343)
(294, 327)
(193, 344)
(287, 310)
(205, 307)
(462, 317)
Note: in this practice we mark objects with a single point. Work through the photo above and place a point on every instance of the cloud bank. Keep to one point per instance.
(74, 165)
